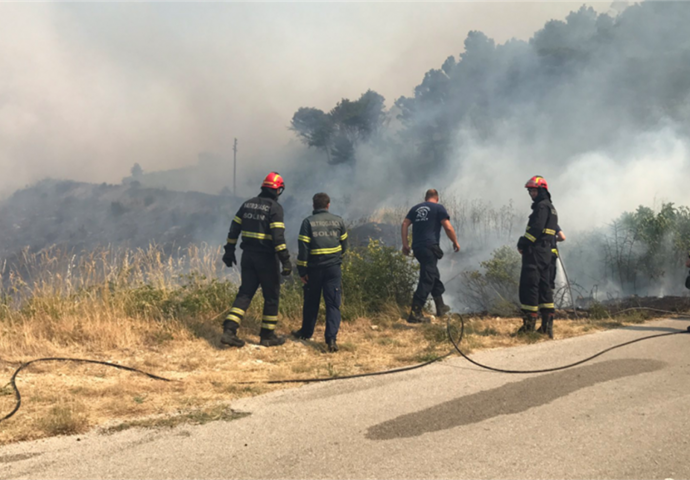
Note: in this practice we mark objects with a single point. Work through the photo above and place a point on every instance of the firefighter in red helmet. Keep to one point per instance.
(536, 291)
(259, 222)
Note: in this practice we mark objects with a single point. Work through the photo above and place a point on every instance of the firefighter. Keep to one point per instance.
(260, 223)
(426, 219)
(322, 243)
(536, 292)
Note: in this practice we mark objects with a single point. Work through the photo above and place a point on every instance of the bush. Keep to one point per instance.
(495, 290)
(378, 275)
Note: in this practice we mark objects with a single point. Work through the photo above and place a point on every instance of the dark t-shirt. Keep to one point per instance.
(426, 221)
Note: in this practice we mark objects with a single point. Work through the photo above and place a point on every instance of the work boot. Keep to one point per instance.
(270, 339)
(441, 308)
(229, 336)
(332, 346)
(546, 324)
(299, 335)
(416, 315)
(529, 322)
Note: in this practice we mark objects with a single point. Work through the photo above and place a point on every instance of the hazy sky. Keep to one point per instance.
(87, 90)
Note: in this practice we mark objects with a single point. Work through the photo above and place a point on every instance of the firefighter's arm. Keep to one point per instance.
(235, 230)
(560, 236)
(343, 236)
(278, 233)
(234, 233)
(303, 242)
(537, 222)
(450, 232)
(405, 244)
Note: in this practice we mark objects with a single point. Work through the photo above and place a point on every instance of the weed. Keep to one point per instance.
(434, 333)
(64, 419)
(597, 311)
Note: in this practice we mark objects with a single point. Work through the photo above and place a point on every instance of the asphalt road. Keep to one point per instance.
(624, 415)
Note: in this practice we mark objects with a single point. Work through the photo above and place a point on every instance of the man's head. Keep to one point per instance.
(274, 182)
(537, 185)
(321, 201)
(431, 195)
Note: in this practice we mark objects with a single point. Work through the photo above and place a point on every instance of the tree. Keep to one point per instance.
(136, 171)
(339, 131)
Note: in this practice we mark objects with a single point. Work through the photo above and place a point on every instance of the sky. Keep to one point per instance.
(88, 89)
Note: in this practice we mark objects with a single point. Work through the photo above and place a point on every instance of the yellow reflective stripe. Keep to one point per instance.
(548, 231)
(304, 238)
(234, 318)
(237, 219)
(260, 236)
(270, 318)
(326, 251)
(277, 225)
(529, 308)
(302, 263)
(238, 311)
(530, 237)
(280, 247)
(343, 236)
(232, 241)
(268, 326)
(546, 305)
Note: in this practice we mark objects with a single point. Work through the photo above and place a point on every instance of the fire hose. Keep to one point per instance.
(455, 343)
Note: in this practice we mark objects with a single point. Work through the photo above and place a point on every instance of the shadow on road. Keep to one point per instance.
(509, 399)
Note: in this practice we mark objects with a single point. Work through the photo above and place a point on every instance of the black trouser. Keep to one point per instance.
(258, 269)
(327, 280)
(536, 292)
(429, 276)
(554, 263)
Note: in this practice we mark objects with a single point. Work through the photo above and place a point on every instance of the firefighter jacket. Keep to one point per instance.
(542, 226)
(322, 241)
(260, 223)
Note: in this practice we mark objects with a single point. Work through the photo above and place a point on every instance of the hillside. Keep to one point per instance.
(82, 216)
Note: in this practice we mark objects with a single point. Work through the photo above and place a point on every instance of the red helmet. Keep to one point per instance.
(537, 182)
(275, 181)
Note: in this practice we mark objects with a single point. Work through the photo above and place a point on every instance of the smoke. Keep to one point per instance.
(599, 105)
(90, 89)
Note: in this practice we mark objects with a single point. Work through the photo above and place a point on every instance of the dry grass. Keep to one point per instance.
(66, 398)
(135, 309)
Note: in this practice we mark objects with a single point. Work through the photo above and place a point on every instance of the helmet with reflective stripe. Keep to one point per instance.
(537, 182)
(274, 181)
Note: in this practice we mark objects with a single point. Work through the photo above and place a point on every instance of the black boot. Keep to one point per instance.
(441, 308)
(529, 323)
(270, 339)
(299, 335)
(546, 324)
(229, 336)
(332, 346)
(416, 315)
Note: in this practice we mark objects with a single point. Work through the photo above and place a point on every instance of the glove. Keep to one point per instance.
(229, 258)
(287, 269)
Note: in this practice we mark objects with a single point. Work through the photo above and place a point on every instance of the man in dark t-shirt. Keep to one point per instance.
(426, 219)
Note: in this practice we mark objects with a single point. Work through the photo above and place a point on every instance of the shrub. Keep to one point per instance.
(495, 289)
(376, 275)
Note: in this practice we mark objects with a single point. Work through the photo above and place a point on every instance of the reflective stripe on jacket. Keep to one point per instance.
(259, 222)
(322, 241)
